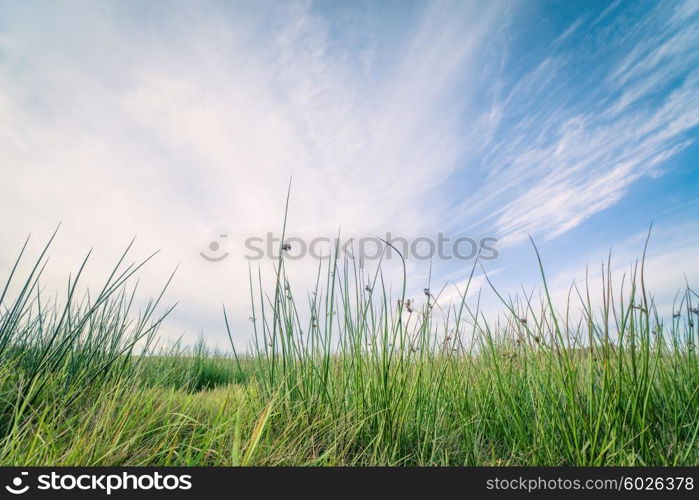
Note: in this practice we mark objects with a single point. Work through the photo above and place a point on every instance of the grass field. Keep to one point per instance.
(349, 376)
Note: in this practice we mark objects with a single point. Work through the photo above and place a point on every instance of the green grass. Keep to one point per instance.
(349, 376)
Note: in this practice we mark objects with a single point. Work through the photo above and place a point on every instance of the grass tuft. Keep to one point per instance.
(349, 376)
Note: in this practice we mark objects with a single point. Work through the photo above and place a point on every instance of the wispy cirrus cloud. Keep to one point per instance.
(558, 156)
(183, 121)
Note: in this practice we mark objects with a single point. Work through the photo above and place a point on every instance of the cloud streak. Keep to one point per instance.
(557, 157)
(180, 122)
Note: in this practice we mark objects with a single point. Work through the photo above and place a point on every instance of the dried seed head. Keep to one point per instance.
(286, 246)
(426, 291)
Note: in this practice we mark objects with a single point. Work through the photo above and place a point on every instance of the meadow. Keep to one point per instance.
(347, 375)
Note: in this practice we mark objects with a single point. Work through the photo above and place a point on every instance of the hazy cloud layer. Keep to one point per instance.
(179, 122)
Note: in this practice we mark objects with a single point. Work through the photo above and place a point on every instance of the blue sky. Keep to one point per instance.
(572, 122)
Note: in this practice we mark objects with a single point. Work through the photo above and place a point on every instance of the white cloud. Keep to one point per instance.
(181, 122)
(567, 158)
(185, 129)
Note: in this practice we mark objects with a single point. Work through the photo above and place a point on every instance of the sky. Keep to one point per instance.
(572, 122)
